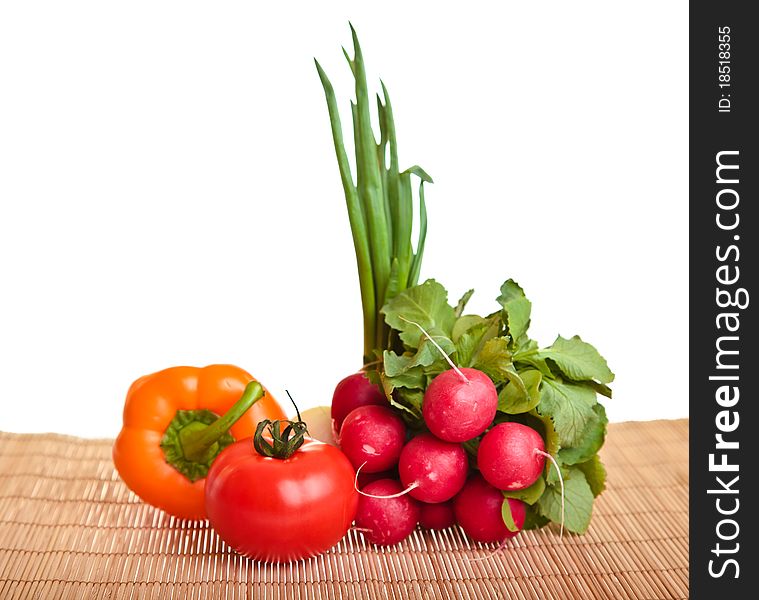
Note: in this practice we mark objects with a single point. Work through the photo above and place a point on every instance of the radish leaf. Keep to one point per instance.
(569, 405)
(578, 499)
(494, 359)
(591, 440)
(464, 324)
(550, 437)
(425, 304)
(508, 518)
(578, 360)
(533, 519)
(516, 309)
(529, 495)
(472, 342)
(595, 474)
(514, 400)
(461, 305)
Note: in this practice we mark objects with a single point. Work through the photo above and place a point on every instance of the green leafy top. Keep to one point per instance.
(425, 304)
(380, 202)
(553, 389)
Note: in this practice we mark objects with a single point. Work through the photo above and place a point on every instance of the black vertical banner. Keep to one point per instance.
(724, 171)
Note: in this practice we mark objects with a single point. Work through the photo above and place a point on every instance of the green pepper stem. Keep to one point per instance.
(196, 443)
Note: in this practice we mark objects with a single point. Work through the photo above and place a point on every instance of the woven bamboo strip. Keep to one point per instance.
(70, 529)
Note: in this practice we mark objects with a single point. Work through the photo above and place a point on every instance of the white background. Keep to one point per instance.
(169, 193)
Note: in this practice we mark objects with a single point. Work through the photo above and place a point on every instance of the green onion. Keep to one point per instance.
(380, 204)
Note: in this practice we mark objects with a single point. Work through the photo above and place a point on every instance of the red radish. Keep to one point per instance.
(354, 391)
(459, 404)
(432, 470)
(365, 478)
(372, 438)
(511, 456)
(437, 516)
(478, 510)
(386, 520)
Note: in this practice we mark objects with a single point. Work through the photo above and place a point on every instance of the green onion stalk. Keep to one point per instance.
(380, 205)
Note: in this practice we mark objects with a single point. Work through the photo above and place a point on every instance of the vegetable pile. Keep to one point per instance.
(477, 424)
(455, 418)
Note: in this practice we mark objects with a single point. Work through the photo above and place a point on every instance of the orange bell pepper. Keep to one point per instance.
(174, 428)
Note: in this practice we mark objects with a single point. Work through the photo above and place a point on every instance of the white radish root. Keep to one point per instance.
(561, 481)
(413, 486)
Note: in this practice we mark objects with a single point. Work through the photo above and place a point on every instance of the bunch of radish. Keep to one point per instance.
(424, 477)
(454, 415)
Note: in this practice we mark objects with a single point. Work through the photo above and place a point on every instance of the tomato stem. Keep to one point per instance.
(297, 412)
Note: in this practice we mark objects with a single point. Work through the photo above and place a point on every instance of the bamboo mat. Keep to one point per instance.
(70, 529)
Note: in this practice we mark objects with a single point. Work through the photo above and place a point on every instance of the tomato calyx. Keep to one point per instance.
(194, 438)
(273, 441)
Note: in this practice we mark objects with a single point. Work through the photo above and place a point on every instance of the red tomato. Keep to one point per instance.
(279, 510)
